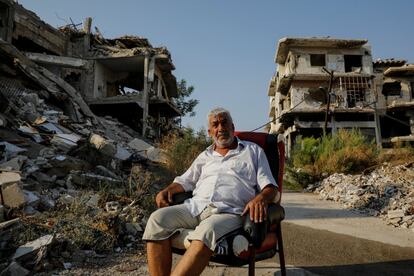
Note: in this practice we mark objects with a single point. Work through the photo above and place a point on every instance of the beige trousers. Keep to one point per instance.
(208, 227)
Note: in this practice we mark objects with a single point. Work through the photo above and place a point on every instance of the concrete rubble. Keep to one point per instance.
(68, 178)
(387, 192)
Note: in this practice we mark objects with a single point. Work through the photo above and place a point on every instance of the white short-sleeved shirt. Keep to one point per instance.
(229, 182)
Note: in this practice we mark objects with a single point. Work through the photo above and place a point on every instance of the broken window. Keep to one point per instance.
(391, 88)
(356, 89)
(317, 60)
(352, 62)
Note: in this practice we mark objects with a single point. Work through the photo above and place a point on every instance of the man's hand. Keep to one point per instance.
(258, 209)
(163, 198)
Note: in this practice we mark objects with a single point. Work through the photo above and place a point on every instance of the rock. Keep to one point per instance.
(113, 207)
(14, 164)
(11, 150)
(13, 196)
(93, 201)
(14, 269)
(103, 145)
(133, 228)
(47, 202)
(395, 214)
(9, 178)
(65, 142)
(105, 172)
(31, 198)
(29, 249)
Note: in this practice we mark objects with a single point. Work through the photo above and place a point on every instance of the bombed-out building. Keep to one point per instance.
(310, 69)
(126, 77)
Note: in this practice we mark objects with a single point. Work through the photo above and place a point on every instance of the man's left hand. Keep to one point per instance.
(257, 208)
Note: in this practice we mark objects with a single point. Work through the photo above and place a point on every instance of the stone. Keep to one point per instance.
(113, 207)
(31, 198)
(103, 145)
(13, 196)
(14, 269)
(395, 214)
(32, 247)
(133, 228)
(65, 142)
(9, 178)
(14, 164)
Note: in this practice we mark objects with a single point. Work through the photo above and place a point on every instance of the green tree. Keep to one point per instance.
(182, 102)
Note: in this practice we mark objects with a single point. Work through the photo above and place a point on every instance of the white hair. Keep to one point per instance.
(219, 110)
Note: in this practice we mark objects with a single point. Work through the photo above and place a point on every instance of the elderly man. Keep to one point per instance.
(229, 179)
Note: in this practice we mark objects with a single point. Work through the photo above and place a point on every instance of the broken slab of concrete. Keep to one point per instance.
(9, 177)
(65, 142)
(14, 164)
(146, 150)
(13, 196)
(105, 146)
(29, 249)
(15, 269)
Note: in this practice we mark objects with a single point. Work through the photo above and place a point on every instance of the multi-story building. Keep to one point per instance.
(299, 92)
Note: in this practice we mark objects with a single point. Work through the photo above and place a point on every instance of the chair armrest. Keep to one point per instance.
(257, 231)
(179, 198)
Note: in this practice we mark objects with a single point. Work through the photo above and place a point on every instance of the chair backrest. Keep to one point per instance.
(275, 151)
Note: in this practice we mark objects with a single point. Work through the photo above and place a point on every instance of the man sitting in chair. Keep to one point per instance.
(229, 179)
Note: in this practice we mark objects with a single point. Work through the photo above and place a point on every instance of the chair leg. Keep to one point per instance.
(280, 249)
(252, 260)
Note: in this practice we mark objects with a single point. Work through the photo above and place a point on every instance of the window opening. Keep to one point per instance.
(357, 89)
(317, 60)
(352, 62)
(391, 89)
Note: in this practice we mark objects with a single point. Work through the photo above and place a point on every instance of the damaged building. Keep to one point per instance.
(395, 81)
(125, 78)
(326, 84)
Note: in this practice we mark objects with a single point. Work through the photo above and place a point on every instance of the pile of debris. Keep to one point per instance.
(71, 184)
(388, 192)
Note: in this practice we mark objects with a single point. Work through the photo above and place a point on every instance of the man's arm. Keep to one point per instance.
(164, 197)
(257, 207)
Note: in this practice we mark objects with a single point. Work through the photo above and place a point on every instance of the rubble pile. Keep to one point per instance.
(387, 192)
(71, 183)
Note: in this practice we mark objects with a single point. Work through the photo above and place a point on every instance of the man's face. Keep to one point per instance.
(221, 129)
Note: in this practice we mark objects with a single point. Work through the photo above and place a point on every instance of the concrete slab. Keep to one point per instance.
(308, 210)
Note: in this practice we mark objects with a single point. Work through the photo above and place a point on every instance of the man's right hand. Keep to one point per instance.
(164, 198)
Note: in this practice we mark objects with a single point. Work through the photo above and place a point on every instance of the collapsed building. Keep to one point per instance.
(76, 112)
(126, 77)
(326, 84)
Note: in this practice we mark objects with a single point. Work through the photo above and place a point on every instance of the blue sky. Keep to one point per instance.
(225, 48)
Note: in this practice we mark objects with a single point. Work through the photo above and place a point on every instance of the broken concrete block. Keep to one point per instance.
(113, 207)
(122, 153)
(47, 202)
(105, 172)
(14, 269)
(92, 180)
(93, 201)
(13, 196)
(11, 150)
(139, 145)
(65, 142)
(105, 146)
(14, 164)
(31, 198)
(133, 228)
(29, 249)
(9, 177)
(31, 132)
(395, 214)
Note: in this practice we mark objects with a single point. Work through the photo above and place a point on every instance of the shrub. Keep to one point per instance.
(343, 152)
(182, 148)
